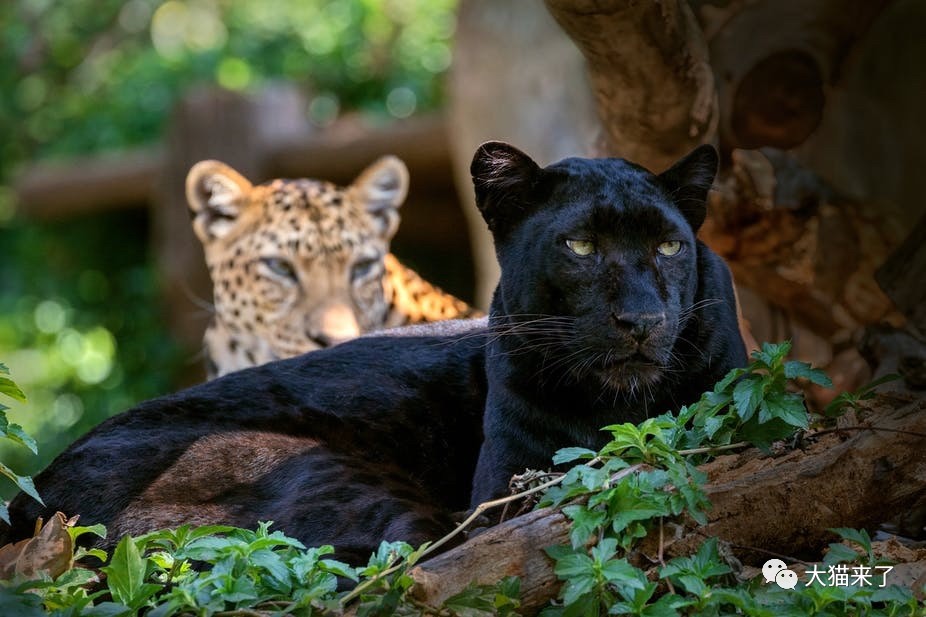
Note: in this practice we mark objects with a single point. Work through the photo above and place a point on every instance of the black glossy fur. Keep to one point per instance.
(370, 440)
(581, 342)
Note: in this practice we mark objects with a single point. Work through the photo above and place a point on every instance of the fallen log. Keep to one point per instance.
(783, 503)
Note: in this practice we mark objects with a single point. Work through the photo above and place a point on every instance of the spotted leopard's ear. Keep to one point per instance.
(504, 179)
(688, 182)
(216, 194)
(382, 187)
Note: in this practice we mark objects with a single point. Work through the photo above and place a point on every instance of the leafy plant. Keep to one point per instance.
(614, 498)
(752, 404)
(15, 434)
(647, 473)
(845, 401)
(240, 570)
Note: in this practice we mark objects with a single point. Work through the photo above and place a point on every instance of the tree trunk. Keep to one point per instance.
(516, 77)
(651, 75)
(774, 60)
(781, 504)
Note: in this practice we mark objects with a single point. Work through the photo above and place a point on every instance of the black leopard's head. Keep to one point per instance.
(599, 259)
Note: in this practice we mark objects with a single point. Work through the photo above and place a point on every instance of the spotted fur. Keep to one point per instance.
(302, 264)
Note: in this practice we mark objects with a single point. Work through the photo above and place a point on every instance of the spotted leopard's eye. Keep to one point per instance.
(364, 268)
(280, 267)
(581, 248)
(669, 248)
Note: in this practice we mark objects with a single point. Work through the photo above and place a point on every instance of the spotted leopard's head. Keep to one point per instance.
(296, 264)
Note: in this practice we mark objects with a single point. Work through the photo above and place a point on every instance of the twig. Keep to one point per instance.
(709, 449)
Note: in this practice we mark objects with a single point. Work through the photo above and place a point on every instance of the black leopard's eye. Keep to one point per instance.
(280, 267)
(669, 248)
(581, 248)
(364, 268)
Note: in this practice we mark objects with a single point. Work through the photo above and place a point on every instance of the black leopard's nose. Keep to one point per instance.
(638, 325)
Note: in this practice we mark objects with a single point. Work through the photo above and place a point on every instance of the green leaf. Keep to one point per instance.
(746, 396)
(99, 530)
(211, 548)
(604, 550)
(96, 553)
(619, 571)
(784, 406)
(713, 425)
(631, 503)
(107, 609)
(730, 377)
(585, 523)
(859, 536)
(693, 584)
(666, 606)
(24, 483)
(574, 564)
(578, 600)
(764, 435)
(474, 601)
(338, 568)
(9, 387)
(840, 553)
(272, 563)
(771, 354)
(125, 575)
(16, 434)
(576, 595)
(591, 478)
(795, 369)
(567, 455)
(893, 593)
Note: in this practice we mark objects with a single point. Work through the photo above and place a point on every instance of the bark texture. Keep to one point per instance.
(651, 74)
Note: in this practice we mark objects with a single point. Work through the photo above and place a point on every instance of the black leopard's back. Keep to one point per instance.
(369, 440)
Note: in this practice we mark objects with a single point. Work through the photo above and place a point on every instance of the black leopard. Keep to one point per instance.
(608, 309)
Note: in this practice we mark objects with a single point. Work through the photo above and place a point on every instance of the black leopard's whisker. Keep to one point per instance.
(561, 361)
(700, 304)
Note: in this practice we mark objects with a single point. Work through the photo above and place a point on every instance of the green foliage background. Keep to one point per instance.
(80, 325)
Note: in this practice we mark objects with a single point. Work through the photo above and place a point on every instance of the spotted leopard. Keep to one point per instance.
(302, 264)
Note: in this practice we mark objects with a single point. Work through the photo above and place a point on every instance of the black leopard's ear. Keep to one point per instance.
(216, 194)
(382, 188)
(688, 182)
(504, 179)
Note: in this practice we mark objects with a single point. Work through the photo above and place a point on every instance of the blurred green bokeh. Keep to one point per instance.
(80, 324)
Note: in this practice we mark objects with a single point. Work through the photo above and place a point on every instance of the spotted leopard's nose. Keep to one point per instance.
(334, 324)
(638, 325)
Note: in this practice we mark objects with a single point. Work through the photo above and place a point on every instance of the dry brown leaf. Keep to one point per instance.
(51, 550)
